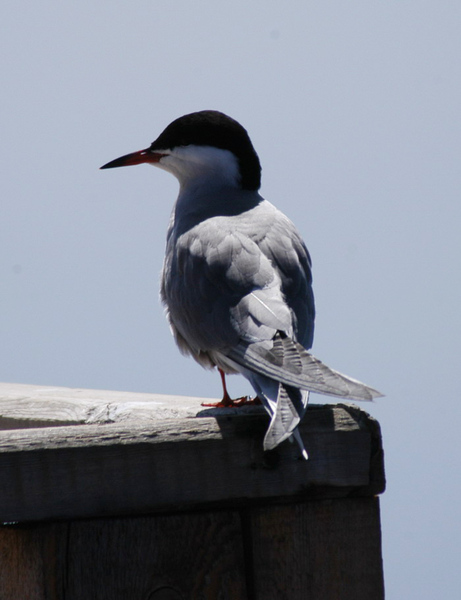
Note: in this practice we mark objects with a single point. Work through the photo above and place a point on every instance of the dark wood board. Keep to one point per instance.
(130, 468)
(327, 549)
(320, 549)
(178, 557)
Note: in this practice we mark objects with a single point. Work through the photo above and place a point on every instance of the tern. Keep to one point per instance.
(236, 279)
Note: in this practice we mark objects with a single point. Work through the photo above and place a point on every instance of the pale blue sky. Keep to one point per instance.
(353, 108)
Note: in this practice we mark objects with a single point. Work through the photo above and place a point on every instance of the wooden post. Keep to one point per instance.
(156, 498)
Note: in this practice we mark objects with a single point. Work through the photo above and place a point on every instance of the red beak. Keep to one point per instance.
(135, 158)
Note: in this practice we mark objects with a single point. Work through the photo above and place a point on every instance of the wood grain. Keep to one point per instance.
(179, 557)
(198, 511)
(30, 561)
(30, 406)
(101, 470)
(328, 549)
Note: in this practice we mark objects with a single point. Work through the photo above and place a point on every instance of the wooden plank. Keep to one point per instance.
(127, 468)
(328, 549)
(25, 562)
(194, 556)
(28, 406)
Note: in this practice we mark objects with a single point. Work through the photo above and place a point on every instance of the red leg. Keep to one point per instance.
(227, 401)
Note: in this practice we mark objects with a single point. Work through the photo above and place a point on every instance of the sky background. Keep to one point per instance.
(354, 110)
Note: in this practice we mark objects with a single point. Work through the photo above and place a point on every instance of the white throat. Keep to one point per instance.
(201, 166)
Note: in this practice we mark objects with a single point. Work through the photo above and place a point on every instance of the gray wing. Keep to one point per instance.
(289, 363)
(287, 251)
(239, 278)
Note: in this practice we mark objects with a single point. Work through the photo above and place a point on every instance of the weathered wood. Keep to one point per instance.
(29, 406)
(208, 514)
(23, 563)
(196, 555)
(329, 549)
(100, 470)
(180, 556)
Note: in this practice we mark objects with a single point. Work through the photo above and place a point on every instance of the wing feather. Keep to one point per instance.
(289, 363)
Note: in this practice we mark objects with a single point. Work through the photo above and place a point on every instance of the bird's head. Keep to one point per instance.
(202, 145)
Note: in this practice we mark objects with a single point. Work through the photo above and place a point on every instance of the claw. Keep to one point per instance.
(227, 401)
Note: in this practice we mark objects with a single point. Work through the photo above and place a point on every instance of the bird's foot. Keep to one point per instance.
(228, 402)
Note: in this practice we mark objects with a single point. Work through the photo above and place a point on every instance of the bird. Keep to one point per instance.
(237, 276)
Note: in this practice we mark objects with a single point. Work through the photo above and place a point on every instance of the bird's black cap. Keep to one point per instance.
(213, 128)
